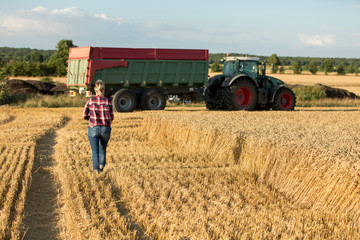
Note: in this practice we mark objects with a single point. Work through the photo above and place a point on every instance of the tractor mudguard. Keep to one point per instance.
(273, 91)
(213, 79)
(229, 81)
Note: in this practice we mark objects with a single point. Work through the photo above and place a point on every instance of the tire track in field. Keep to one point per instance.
(40, 220)
(8, 119)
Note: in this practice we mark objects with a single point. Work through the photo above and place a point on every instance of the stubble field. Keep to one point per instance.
(182, 173)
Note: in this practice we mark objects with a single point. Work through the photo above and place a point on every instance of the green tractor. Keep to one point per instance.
(242, 87)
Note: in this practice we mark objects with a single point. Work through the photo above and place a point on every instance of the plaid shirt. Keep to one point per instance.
(99, 111)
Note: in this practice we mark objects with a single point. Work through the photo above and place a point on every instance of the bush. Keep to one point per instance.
(296, 67)
(216, 67)
(306, 93)
(282, 69)
(313, 67)
(340, 69)
(47, 80)
(4, 95)
(54, 101)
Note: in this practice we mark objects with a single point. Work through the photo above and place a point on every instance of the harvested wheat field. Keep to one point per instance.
(182, 173)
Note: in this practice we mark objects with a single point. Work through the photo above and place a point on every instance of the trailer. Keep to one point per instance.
(138, 78)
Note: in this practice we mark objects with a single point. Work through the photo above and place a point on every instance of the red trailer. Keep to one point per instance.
(139, 77)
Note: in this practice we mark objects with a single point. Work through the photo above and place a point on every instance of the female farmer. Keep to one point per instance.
(99, 111)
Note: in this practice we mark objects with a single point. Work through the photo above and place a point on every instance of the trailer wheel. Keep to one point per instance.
(242, 95)
(284, 100)
(152, 99)
(124, 100)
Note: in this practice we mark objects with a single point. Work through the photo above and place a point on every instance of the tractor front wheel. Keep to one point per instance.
(242, 95)
(284, 100)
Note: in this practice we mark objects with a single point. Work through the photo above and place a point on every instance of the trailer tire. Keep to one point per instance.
(124, 100)
(152, 99)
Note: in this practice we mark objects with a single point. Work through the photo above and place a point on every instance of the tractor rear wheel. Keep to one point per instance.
(242, 95)
(152, 99)
(284, 100)
(124, 100)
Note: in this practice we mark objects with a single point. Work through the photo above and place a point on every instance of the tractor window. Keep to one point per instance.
(250, 68)
(229, 68)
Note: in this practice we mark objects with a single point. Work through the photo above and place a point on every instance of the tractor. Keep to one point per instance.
(241, 86)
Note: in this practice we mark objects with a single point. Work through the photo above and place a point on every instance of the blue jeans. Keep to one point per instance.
(99, 137)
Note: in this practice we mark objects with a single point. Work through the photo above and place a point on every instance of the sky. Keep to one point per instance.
(306, 28)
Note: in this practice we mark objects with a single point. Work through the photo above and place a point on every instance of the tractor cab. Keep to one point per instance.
(241, 65)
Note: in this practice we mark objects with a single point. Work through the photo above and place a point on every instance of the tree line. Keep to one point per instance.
(35, 63)
(38, 63)
(298, 64)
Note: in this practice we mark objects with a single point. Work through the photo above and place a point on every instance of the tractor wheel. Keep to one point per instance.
(152, 99)
(284, 100)
(214, 99)
(242, 95)
(209, 99)
(124, 100)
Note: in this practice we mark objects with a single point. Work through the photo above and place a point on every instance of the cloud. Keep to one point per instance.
(42, 24)
(27, 22)
(152, 24)
(108, 18)
(318, 40)
(69, 12)
(39, 9)
(42, 28)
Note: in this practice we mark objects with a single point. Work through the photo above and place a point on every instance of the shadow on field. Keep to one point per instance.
(124, 211)
(11, 118)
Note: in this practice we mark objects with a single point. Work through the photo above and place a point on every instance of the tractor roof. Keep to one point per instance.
(242, 58)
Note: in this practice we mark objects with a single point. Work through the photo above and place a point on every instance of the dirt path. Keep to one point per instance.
(41, 218)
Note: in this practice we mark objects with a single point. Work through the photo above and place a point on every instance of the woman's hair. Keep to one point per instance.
(99, 87)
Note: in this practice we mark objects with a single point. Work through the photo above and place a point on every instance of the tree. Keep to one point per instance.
(275, 62)
(328, 66)
(36, 56)
(282, 69)
(4, 95)
(313, 68)
(296, 67)
(216, 67)
(59, 58)
(350, 69)
(340, 69)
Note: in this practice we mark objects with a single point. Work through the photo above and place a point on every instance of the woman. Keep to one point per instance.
(99, 111)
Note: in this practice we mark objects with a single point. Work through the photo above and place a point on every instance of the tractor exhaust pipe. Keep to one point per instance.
(263, 72)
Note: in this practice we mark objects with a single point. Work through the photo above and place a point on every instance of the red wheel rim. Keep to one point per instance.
(286, 101)
(243, 96)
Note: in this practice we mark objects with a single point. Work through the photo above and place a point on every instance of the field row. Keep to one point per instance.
(20, 131)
